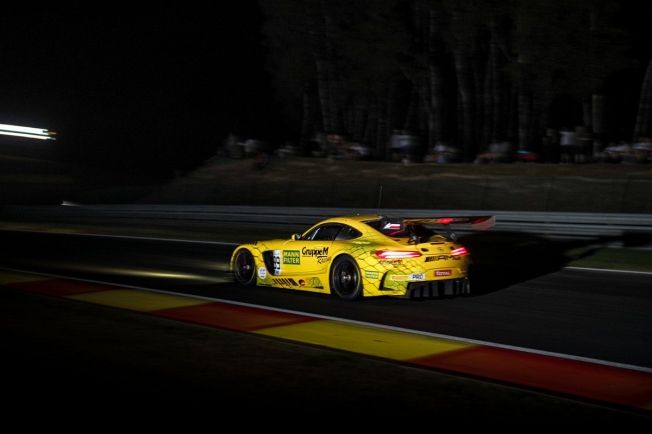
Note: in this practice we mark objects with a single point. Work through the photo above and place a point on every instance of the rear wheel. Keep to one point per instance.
(244, 268)
(345, 278)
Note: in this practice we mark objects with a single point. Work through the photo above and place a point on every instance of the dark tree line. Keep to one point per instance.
(461, 74)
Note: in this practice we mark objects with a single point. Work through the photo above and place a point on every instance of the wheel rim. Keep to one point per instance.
(244, 266)
(346, 278)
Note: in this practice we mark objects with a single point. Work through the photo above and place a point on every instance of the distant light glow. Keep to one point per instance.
(31, 136)
(29, 132)
(18, 129)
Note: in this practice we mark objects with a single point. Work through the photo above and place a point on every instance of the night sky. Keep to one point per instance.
(150, 88)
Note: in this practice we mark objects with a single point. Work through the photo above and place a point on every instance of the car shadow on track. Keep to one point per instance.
(499, 260)
(502, 259)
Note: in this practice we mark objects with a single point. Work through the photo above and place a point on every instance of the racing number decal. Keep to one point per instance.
(276, 256)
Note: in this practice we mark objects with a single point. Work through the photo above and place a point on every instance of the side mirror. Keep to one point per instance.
(296, 237)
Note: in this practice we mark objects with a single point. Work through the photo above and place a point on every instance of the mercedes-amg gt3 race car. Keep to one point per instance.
(364, 256)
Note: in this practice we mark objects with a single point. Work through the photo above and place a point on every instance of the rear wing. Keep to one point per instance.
(476, 223)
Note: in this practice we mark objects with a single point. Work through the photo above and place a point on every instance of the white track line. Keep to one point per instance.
(362, 323)
(128, 237)
(608, 270)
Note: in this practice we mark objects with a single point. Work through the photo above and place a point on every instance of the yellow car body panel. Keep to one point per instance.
(305, 264)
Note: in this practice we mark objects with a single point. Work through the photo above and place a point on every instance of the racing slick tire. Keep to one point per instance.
(244, 268)
(345, 278)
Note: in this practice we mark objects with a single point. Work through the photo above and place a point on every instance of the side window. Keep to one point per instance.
(323, 233)
(347, 233)
(310, 234)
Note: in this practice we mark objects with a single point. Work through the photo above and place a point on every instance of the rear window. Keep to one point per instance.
(347, 233)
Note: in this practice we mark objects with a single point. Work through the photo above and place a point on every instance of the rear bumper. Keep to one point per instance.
(438, 288)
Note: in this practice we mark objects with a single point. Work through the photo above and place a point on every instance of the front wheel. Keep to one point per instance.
(244, 268)
(345, 278)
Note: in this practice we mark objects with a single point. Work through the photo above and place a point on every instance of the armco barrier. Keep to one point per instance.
(566, 224)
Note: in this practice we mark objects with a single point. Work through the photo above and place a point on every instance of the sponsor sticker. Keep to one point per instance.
(276, 258)
(438, 258)
(292, 257)
(285, 282)
(314, 282)
(314, 252)
(262, 273)
(399, 277)
(321, 254)
(439, 273)
(417, 276)
(371, 274)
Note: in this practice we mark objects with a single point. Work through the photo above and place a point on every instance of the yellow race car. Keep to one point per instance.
(364, 256)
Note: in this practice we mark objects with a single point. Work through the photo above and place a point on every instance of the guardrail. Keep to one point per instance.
(556, 224)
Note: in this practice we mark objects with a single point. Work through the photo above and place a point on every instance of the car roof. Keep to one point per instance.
(352, 218)
(358, 222)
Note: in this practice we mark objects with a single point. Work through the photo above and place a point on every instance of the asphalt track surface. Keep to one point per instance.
(594, 314)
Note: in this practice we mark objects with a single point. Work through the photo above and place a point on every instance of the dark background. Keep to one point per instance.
(159, 89)
(150, 89)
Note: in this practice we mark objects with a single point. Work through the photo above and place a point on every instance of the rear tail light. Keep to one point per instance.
(460, 251)
(396, 254)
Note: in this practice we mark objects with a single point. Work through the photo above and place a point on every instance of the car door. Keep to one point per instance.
(310, 254)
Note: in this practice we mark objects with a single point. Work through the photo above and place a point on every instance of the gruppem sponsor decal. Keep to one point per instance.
(320, 253)
(262, 273)
(314, 252)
